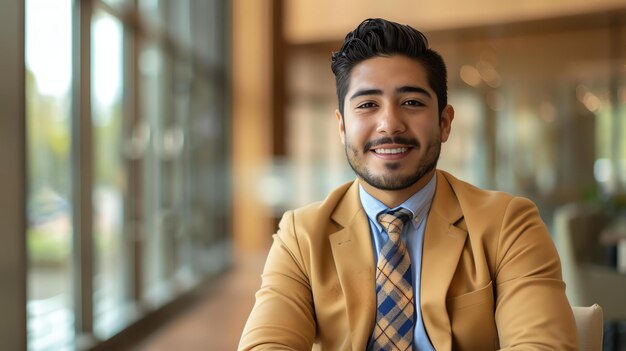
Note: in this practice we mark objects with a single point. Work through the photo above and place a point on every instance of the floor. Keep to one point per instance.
(216, 322)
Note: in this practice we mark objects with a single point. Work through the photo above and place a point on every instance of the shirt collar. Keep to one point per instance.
(419, 203)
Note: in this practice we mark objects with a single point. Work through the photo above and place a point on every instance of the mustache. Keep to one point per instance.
(387, 140)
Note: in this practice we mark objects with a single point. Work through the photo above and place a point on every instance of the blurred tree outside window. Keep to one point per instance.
(49, 235)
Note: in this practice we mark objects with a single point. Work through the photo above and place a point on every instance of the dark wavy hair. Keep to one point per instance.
(379, 37)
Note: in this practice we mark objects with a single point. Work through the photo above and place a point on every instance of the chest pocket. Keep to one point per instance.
(472, 320)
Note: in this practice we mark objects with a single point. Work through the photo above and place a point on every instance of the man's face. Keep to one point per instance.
(390, 128)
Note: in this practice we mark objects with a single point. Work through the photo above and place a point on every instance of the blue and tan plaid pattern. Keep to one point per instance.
(394, 291)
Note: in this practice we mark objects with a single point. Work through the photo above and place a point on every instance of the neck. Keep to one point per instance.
(393, 198)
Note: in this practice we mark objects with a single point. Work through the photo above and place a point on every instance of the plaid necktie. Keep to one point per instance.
(394, 290)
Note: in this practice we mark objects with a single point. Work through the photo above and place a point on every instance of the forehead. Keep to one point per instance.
(388, 72)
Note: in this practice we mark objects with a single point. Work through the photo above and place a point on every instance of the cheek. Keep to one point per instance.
(427, 131)
(356, 132)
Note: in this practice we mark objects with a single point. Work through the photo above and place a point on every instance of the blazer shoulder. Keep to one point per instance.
(481, 208)
(471, 196)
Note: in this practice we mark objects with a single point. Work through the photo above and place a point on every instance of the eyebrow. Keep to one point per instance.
(403, 89)
(410, 89)
(366, 92)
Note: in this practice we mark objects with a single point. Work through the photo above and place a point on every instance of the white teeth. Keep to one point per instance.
(391, 151)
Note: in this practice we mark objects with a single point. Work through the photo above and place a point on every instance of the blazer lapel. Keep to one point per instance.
(354, 260)
(443, 246)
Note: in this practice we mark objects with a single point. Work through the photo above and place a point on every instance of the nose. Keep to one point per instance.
(390, 122)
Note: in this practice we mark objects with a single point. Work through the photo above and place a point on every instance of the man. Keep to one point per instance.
(407, 256)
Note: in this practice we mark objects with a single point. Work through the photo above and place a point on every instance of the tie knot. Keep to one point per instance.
(393, 221)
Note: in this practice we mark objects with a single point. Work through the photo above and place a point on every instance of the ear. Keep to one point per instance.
(342, 127)
(447, 115)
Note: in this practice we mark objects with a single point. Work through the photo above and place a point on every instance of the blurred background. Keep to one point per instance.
(150, 146)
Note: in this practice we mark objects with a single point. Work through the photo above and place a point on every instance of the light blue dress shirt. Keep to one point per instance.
(413, 237)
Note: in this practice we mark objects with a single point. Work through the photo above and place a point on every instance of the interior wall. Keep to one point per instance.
(12, 177)
(251, 123)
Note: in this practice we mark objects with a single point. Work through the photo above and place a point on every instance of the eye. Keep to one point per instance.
(366, 105)
(413, 102)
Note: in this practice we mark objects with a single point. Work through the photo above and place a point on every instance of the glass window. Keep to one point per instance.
(180, 22)
(207, 202)
(175, 143)
(117, 3)
(151, 12)
(49, 235)
(160, 206)
(156, 246)
(112, 262)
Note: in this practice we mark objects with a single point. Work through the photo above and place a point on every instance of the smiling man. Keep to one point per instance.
(392, 129)
(407, 257)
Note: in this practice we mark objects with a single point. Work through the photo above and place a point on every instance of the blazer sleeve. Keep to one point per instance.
(283, 316)
(532, 311)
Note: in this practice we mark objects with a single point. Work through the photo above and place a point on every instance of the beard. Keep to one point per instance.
(389, 180)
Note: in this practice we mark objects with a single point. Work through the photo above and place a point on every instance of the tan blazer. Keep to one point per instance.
(491, 277)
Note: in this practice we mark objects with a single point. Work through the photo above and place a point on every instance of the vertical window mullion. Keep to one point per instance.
(82, 172)
(133, 151)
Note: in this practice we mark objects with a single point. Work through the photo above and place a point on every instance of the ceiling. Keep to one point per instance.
(329, 20)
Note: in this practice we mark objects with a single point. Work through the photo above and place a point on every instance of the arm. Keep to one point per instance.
(282, 317)
(532, 311)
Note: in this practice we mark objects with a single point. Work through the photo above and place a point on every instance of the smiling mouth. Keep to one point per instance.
(394, 151)
(391, 146)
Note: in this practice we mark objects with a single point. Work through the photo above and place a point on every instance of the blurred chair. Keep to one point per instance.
(590, 327)
(577, 238)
